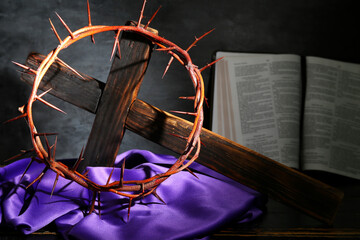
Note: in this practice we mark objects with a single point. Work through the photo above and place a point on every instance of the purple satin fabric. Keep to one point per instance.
(194, 207)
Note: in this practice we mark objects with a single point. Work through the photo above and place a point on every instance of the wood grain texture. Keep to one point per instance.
(122, 86)
(65, 84)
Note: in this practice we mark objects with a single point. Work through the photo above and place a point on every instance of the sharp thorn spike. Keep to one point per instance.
(128, 215)
(48, 147)
(26, 169)
(119, 50)
(178, 136)
(19, 155)
(92, 206)
(42, 94)
(167, 66)
(24, 67)
(99, 204)
(15, 118)
(55, 32)
(55, 182)
(49, 104)
(38, 178)
(80, 158)
(88, 12)
(198, 39)
(86, 173)
(210, 64)
(141, 14)
(192, 173)
(65, 25)
(72, 69)
(111, 173)
(89, 20)
(116, 44)
(152, 17)
(158, 197)
(187, 98)
(121, 182)
(186, 113)
(54, 149)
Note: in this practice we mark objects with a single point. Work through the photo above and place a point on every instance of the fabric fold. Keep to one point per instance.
(194, 206)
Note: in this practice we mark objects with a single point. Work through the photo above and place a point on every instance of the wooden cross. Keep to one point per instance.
(117, 108)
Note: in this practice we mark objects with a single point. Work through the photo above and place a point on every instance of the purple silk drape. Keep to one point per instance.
(194, 206)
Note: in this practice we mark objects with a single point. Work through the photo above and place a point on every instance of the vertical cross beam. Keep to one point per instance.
(121, 89)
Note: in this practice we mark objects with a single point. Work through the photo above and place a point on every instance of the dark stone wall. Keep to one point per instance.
(324, 28)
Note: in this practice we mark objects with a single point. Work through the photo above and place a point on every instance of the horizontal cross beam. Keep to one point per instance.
(237, 162)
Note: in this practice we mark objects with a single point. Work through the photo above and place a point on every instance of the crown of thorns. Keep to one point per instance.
(44, 153)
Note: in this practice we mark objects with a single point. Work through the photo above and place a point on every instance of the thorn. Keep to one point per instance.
(55, 32)
(181, 137)
(116, 44)
(86, 173)
(42, 94)
(153, 16)
(141, 14)
(158, 197)
(73, 70)
(48, 147)
(66, 26)
(92, 206)
(24, 67)
(19, 155)
(88, 12)
(167, 66)
(173, 55)
(26, 169)
(128, 216)
(99, 204)
(111, 173)
(89, 19)
(210, 64)
(187, 98)
(38, 178)
(21, 109)
(198, 39)
(80, 158)
(15, 118)
(54, 149)
(186, 113)
(49, 104)
(121, 183)
(55, 182)
(192, 173)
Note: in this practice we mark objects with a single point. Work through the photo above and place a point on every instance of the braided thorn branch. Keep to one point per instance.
(131, 189)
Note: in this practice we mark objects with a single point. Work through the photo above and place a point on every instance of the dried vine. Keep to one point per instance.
(46, 154)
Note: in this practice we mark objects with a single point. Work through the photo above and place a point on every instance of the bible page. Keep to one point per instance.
(332, 117)
(257, 103)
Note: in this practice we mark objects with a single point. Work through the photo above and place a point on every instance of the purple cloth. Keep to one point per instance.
(194, 207)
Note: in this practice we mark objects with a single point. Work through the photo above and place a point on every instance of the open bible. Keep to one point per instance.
(302, 112)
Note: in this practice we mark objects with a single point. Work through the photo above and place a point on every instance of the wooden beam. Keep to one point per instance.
(248, 167)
